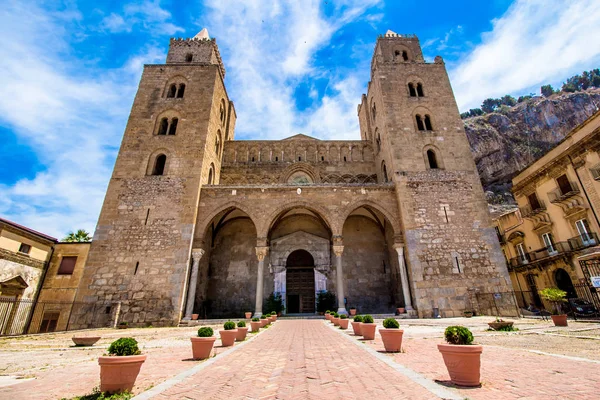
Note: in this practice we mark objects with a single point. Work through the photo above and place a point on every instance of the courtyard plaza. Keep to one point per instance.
(309, 359)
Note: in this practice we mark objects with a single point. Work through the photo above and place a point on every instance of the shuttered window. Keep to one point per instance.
(67, 265)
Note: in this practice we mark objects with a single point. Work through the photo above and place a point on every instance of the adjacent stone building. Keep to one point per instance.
(195, 222)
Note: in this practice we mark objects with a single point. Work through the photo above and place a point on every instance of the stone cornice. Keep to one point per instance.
(21, 259)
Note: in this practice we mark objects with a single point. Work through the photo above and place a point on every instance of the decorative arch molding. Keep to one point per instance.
(438, 156)
(152, 160)
(265, 225)
(515, 237)
(398, 53)
(169, 115)
(202, 225)
(300, 167)
(317, 246)
(392, 217)
(176, 79)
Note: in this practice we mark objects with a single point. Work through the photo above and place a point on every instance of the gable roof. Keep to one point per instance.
(301, 136)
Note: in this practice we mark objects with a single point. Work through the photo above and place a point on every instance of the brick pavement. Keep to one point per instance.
(298, 359)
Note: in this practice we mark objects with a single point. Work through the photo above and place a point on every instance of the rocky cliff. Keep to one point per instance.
(504, 143)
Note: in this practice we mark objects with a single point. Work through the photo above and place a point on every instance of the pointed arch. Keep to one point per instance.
(391, 216)
(267, 223)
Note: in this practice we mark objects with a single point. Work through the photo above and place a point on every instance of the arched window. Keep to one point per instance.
(420, 125)
(159, 165)
(428, 126)
(373, 112)
(218, 144)
(172, 91)
(420, 90)
(164, 125)
(299, 158)
(210, 176)
(276, 158)
(322, 158)
(173, 126)
(189, 57)
(378, 141)
(222, 112)
(411, 90)
(433, 164)
(405, 56)
(384, 171)
(181, 91)
(344, 158)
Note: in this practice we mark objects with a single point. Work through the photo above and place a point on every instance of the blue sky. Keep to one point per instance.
(69, 71)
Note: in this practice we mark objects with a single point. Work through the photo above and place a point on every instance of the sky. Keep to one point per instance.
(70, 69)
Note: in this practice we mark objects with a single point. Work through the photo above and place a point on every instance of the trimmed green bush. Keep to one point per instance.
(343, 316)
(255, 319)
(367, 319)
(273, 313)
(205, 331)
(390, 323)
(327, 312)
(263, 316)
(458, 335)
(242, 324)
(124, 347)
(336, 315)
(229, 325)
(358, 318)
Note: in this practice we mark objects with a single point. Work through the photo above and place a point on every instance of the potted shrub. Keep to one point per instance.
(367, 328)
(195, 316)
(264, 321)
(500, 324)
(468, 313)
(400, 310)
(228, 334)
(391, 335)
(343, 321)
(336, 319)
(556, 297)
(119, 370)
(122, 325)
(242, 331)
(273, 316)
(327, 314)
(352, 311)
(461, 356)
(248, 314)
(85, 340)
(202, 345)
(255, 324)
(356, 325)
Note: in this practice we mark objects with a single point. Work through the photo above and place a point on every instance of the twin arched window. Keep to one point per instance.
(402, 54)
(424, 123)
(176, 91)
(415, 90)
(159, 165)
(167, 127)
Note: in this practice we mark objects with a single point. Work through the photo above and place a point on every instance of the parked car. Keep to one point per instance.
(582, 307)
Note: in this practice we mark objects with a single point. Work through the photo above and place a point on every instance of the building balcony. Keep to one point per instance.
(528, 211)
(564, 192)
(584, 241)
(595, 170)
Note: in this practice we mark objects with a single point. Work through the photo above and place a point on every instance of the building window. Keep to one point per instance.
(218, 144)
(49, 321)
(159, 165)
(173, 126)
(24, 248)
(564, 184)
(67, 265)
(222, 113)
(163, 127)
(373, 112)
(534, 202)
(384, 171)
(521, 253)
(189, 57)
(411, 90)
(420, 125)
(420, 92)
(405, 56)
(549, 243)
(583, 228)
(428, 126)
(433, 164)
(172, 91)
(181, 91)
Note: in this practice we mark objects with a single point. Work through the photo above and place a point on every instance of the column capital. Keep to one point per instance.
(197, 253)
(399, 247)
(262, 241)
(337, 240)
(261, 252)
(338, 250)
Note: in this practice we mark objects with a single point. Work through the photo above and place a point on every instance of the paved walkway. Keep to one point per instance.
(298, 359)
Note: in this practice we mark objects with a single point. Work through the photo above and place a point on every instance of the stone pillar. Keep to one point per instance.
(261, 252)
(339, 273)
(403, 276)
(191, 298)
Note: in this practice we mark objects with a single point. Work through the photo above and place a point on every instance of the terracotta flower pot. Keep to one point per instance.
(344, 323)
(392, 339)
(353, 311)
(255, 326)
(85, 340)
(195, 316)
(356, 328)
(118, 373)
(560, 320)
(264, 322)
(499, 325)
(248, 315)
(202, 346)
(274, 317)
(368, 330)
(400, 310)
(463, 363)
(336, 321)
(241, 334)
(327, 317)
(228, 337)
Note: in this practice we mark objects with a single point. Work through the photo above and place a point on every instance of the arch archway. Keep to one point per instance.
(564, 282)
(300, 282)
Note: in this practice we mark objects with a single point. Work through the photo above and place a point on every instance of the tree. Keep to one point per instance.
(547, 90)
(508, 100)
(80, 236)
(490, 105)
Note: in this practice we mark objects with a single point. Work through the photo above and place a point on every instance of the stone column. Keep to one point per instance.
(261, 252)
(339, 273)
(403, 276)
(191, 298)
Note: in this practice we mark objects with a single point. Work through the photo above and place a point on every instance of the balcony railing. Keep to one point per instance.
(560, 194)
(573, 244)
(528, 210)
(595, 170)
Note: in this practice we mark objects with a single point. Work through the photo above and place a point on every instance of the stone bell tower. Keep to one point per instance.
(411, 116)
(141, 251)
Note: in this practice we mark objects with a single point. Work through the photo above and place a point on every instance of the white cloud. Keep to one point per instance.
(535, 42)
(147, 14)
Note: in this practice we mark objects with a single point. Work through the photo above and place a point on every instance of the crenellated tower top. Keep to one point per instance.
(200, 49)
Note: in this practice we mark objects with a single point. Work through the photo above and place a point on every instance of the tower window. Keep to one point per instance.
(405, 56)
(218, 144)
(252, 159)
(222, 112)
(172, 91)
(374, 112)
(181, 91)
(189, 57)
(428, 126)
(344, 158)
(299, 158)
(420, 125)
(411, 90)
(159, 165)
(173, 126)
(210, 176)
(276, 158)
(322, 158)
(164, 125)
(420, 90)
(384, 171)
(378, 141)
(433, 164)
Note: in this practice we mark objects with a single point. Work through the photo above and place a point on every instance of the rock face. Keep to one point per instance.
(504, 143)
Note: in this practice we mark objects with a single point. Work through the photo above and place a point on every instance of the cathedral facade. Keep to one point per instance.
(195, 222)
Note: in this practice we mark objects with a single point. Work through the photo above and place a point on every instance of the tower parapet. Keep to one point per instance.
(200, 49)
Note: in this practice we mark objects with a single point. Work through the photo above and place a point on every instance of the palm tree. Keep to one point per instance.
(80, 236)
